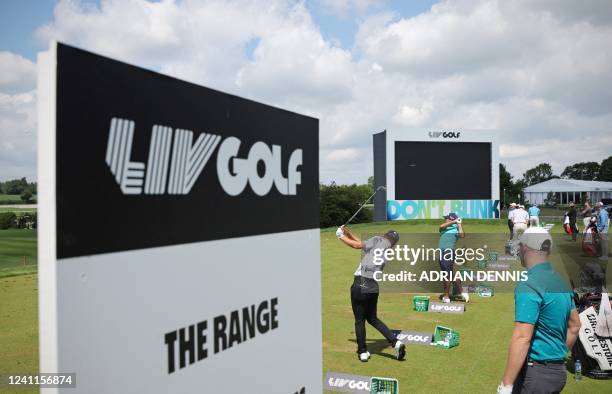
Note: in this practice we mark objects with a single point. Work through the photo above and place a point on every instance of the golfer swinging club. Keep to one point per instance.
(364, 291)
(450, 232)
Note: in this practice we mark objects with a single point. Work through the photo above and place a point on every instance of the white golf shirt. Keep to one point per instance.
(511, 213)
(520, 216)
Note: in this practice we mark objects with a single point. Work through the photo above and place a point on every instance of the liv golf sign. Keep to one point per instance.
(173, 221)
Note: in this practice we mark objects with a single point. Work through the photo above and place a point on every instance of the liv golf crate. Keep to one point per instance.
(384, 386)
(184, 269)
(420, 303)
(445, 337)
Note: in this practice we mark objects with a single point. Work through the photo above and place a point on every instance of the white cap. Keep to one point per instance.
(537, 238)
(513, 204)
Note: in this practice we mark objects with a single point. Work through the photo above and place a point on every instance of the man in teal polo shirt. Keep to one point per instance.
(534, 216)
(546, 322)
(450, 232)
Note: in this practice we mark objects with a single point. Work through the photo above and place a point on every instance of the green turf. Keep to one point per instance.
(9, 208)
(16, 248)
(19, 327)
(9, 197)
(476, 366)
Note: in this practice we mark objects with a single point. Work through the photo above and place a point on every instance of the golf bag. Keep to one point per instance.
(566, 224)
(590, 241)
(592, 349)
(604, 318)
(511, 247)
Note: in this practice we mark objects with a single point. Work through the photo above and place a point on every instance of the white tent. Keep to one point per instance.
(567, 190)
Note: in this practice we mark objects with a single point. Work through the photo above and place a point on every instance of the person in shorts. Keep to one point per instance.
(450, 232)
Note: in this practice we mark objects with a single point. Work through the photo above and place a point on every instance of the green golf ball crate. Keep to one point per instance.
(420, 303)
(485, 290)
(384, 385)
(445, 337)
(481, 264)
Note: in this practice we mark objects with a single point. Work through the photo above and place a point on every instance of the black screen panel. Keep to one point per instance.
(442, 170)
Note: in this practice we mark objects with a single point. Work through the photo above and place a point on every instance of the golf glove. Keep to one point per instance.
(501, 389)
(339, 232)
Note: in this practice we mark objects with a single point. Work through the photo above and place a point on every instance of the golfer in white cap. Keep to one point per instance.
(364, 291)
(546, 322)
(520, 218)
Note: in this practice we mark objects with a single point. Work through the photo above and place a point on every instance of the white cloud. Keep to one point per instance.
(342, 154)
(17, 74)
(18, 134)
(17, 117)
(294, 65)
(539, 75)
(537, 71)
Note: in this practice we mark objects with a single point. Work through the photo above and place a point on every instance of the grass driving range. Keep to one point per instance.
(475, 366)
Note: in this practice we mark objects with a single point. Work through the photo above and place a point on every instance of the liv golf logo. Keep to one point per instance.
(445, 134)
(175, 162)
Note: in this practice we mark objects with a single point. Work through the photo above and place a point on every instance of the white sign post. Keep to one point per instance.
(178, 236)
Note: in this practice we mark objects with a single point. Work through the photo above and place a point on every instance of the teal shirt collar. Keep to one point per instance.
(545, 266)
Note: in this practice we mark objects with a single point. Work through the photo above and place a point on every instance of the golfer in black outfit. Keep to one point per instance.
(364, 291)
(571, 214)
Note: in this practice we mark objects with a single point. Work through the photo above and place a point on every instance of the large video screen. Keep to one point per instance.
(442, 170)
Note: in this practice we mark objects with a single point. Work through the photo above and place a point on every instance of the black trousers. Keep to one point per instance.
(537, 378)
(364, 305)
(574, 229)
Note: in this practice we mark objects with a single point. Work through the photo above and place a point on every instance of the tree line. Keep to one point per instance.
(21, 187)
(585, 171)
(27, 220)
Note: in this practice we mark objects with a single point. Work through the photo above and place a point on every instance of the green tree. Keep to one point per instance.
(7, 220)
(15, 186)
(551, 199)
(540, 173)
(371, 183)
(26, 196)
(605, 170)
(340, 202)
(587, 171)
(508, 189)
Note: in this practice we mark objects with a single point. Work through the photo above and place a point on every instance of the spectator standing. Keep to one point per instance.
(534, 216)
(602, 229)
(511, 209)
(587, 212)
(571, 215)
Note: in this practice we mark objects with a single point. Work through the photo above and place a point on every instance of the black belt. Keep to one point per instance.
(546, 362)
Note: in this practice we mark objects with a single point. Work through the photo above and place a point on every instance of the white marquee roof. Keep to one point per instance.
(568, 185)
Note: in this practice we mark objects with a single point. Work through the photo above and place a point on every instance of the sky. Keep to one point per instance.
(537, 72)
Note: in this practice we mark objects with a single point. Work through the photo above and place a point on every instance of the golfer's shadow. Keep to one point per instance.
(376, 346)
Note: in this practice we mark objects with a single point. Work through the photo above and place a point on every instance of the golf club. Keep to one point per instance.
(364, 203)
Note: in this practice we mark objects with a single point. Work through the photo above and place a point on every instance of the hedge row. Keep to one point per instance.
(22, 221)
